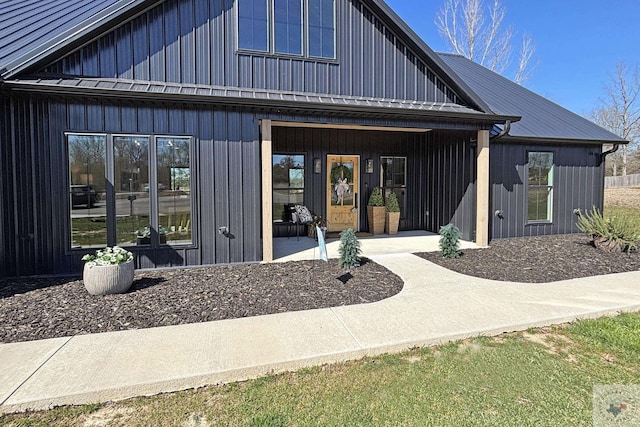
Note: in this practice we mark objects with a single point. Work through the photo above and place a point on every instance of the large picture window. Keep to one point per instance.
(393, 177)
(112, 190)
(539, 186)
(288, 184)
(87, 190)
(292, 27)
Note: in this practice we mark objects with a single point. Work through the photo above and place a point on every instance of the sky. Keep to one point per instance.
(578, 42)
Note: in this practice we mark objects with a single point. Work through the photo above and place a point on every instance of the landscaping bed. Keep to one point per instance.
(538, 259)
(32, 309)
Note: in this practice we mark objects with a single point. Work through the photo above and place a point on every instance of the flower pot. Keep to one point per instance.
(108, 279)
(391, 222)
(375, 215)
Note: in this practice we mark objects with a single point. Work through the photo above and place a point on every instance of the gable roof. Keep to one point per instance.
(55, 27)
(541, 118)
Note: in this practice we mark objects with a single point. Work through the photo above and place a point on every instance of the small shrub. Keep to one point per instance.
(615, 234)
(349, 250)
(392, 203)
(450, 241)
(376, 199)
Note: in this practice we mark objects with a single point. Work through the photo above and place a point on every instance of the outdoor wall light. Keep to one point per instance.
(223, 231)
(369, 166)
(317, 166)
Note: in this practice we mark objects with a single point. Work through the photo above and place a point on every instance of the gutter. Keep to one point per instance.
(604, 155)
(503, 132)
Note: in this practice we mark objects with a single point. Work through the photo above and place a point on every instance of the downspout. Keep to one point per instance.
(606, 153)
(503, 132)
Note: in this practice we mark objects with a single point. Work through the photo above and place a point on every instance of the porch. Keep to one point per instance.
(306, 248)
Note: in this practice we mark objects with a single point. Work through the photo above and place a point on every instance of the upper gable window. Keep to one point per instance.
(288, 26)
(321, 29)
(291, 27)
(253, 25)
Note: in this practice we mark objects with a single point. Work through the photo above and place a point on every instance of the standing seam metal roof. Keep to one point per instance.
(541, 118)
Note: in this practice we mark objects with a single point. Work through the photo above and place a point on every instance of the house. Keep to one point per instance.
(182, 128)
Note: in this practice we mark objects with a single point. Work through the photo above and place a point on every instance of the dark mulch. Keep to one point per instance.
(33, 309)
(538, 259)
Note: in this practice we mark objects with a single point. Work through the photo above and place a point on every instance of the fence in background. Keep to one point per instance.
(622, 181)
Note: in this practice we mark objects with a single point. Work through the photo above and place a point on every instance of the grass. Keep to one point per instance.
(623, 211)
(539, 377)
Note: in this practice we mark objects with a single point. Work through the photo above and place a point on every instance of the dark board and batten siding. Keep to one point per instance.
(194, 42)
(36, 234)
(578, 183)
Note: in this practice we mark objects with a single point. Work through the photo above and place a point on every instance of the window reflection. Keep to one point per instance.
(131, 162)
(87, 188)
(288, 184)
(174, 189)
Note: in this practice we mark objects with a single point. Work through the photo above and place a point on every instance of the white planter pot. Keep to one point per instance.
(108, 279)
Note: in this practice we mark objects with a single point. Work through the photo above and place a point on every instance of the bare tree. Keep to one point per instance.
(619, 111)
(477, 33)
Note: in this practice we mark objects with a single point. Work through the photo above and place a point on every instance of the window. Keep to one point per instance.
(293, 27)
(112, 190)
(288, 26)
(87, 190)
(393, 171)
(288, 183)
(253, 25)
(174, 189)
(539, 186)
(131, 186)
(321, 29)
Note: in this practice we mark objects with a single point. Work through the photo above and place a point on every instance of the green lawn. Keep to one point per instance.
(541, 377)
(630, 212)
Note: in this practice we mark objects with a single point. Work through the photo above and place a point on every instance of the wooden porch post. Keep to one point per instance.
(482, 192)
(267, 194)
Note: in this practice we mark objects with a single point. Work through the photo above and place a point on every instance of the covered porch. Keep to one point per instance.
(443, 168)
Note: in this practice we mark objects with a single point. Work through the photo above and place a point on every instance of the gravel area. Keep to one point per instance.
(538, 259)
(33, 309)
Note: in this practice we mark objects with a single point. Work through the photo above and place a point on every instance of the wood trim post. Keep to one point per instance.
(482, 189)
(267, 191)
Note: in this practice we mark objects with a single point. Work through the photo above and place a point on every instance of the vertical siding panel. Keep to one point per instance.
(188, 60)
(219, 68)
(236, 173)
(172, 42)
(297, 76)
(141, 54)
(245, 68)
(202, 43)
(251, 197)
(228, 43)
(221, 186)
(156, 45)
(208, 232)
(284, 68)
(123, 52)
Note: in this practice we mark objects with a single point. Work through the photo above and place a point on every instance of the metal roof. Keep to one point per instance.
(242, 96)
(541, 119)
(32, 29)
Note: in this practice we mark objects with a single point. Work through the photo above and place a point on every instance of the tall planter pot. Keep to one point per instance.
(108, 279)
(392, 221)
(375, 215)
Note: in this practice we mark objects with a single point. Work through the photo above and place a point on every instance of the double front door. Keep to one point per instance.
(342, 192)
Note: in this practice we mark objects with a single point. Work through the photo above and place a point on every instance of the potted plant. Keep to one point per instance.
(375, 211)
(143, 235)
(393, 214)
(109, 271)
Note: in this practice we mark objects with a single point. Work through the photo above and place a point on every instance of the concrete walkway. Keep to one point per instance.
(436, 305)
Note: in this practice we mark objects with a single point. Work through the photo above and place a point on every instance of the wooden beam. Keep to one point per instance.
(482, 189)
(345, 126)
(267, 193)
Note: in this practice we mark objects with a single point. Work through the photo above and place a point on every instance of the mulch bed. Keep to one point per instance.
(32, 309)
(538, 259)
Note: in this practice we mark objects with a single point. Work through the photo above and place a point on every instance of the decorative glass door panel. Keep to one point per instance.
(342, 192)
